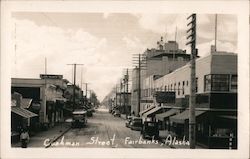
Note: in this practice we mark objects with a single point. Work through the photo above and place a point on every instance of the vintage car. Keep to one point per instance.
(79, 118)
(136, 123)
(150, 129)
(117, 113)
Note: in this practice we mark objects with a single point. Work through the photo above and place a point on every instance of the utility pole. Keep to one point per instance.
(74, 85)
(127, 78)
(116, 95)
(140, 65)
(86, 90)
(124, 96)
(120, 93)
(192, 122)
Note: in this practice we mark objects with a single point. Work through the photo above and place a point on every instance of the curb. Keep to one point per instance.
(53, 140)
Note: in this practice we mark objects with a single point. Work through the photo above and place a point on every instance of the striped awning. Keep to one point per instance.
(146, 110)
(164, 115)
(23, 112)
(181, 117)
(152, 111)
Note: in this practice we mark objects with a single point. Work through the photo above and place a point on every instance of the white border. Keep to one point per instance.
(241, 8)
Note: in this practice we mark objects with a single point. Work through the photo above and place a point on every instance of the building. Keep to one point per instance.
(160, 61)
(46, 94)
(21, 117)
(216, 99)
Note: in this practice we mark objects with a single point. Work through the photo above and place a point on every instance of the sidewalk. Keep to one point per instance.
(164, 134)
(53, 133)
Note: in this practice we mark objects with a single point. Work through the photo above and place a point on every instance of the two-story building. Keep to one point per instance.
(216, 99)
(47, 95)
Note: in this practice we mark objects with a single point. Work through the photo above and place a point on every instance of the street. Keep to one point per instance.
(103, 130)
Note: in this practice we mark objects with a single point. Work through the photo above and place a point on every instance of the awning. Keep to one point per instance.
(26, 102)
(152, 111)
(61, 99)
(228, 117)
(23, 112)
(146, 110)
(164, 115)
(181, 117)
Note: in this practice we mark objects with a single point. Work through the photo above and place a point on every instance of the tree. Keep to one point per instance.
(93, 99)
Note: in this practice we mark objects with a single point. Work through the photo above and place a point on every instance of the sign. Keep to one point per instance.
(47, 76)
(165, 97)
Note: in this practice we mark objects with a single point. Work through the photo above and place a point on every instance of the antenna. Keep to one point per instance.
(175, 34)
(166, 35)
(215, 35)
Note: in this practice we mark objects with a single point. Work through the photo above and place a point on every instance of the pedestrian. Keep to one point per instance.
(24, 138)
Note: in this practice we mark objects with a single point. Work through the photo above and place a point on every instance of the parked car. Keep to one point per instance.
(89, 113)
(136, 123)
(150, 129)
(79, 118)
(117, 113)
(127, 122)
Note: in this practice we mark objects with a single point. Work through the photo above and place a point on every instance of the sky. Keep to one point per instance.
(104, 42)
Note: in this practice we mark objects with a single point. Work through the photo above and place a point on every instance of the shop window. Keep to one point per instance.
(216, 82)
(221, 132)
(220, 82)
(234, 82)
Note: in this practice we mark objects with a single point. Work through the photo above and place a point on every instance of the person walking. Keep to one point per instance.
(24, 138)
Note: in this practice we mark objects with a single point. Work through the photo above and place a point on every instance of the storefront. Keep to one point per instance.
(20, 118)
(163, 118)
(180, 122)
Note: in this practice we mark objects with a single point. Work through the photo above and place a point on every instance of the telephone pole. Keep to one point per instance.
(86, 90)
(116, 95)
(192, 122)
(74, 85)
(126, 79)
(140, 62)
(120, 93)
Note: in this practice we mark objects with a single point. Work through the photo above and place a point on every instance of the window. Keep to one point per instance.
(207, 85)
(220, 83)
(234, 82)
(187, 83)
(216, 82)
